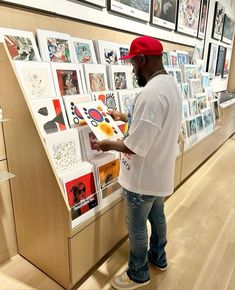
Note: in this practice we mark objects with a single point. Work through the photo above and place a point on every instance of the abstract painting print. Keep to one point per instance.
(49, 114)
(107, 51)
(20, 44)
(218, 21)
(109, 99)
(120, 77)
(188, 16)
(35, 78)
(101, 123)
(164, 13)
(96, 77)
(84, 50)
(123, 50)
(64, 149)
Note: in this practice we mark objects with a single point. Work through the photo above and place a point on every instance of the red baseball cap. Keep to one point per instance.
(145, 45)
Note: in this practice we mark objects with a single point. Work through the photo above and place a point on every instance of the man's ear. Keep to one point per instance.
(142, 58)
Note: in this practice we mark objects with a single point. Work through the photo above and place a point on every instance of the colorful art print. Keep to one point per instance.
(199, 123)
(220, 60)
(195, 87)
(123, 50)
(193, 107)
(188, 16)
(182, 57)
(107, 51)
(191, 127)
(185, 109)
(64, 149)
(189, 72)
(120, 80)
(218, 21)
(209, 93)
(205, 79)
(88, 141)
(203, 18)
(101, 3)
(126, 100)
(202, 101)
(84, 50)
(166, 59)
(138, 8)
(228, 30)
(178, 75)
(74, 116)
(227, 63)
(164, 13)
(110, 56)
(49, 114)
(96, 77)
(212, 58)
(215, 111)
(55, 47)
(207, 118)
(173, 58)
(185, 90)
(35, 78)
(20, 44)
(109, 99)
(81, 191)
(99, 121)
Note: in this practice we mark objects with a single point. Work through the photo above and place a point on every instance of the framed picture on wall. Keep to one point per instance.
(163, 13)
(136, 9)
(188, 16)
(227, 62)
(218, 21)
(212, 58)
(203, 18)
(220, 60)
(228, 29)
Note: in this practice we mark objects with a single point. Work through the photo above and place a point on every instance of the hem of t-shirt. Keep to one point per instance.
(143, 191)
(135, 149)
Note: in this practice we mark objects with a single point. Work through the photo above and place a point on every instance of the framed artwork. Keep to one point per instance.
(191, 126)
(209, 93)
(69, 79)
(64, 150)
(193, 107)
(202, 101)
(101, 3)
(123, 50)
(36, 79)
(164, 13)
(182, 57)
(195, 87)
(55, 46)
(166, 59)
(136, 9)
(205, 79)
(84, 50)
(185, 110)
(199, 124)
(96, 77)
(207, 119)
(101, 123)
(228, 29)
(20, 44)
(109, 99)
(75, 118)
(178, 76)
(88, 140)
(203, 19)
(107, 52)
(220, 60)
(212, 58)
(188, 16)
(189, 71)
(185, 90)
(218, 21)
(227, 62)
(120, 77)
(173, 58)
(126, 99)
(198, 51)
(49, 114)
(80, 190)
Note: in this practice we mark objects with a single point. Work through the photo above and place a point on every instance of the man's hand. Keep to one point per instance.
(104, 145)
(117, 116)
(107, 145)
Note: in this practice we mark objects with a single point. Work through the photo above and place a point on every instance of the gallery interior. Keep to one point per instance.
(62, 211)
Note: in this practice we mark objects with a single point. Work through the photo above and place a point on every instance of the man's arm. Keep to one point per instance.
(107, 145)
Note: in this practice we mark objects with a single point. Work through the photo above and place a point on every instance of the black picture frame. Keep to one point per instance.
(218, 21)
(202, 25)
(220, 60)
(228, 29)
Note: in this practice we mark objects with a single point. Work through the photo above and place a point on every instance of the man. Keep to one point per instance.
(148, 159)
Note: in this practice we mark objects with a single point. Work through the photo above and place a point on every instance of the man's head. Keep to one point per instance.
(146, 57)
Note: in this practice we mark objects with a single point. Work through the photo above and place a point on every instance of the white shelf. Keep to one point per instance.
(4, 175)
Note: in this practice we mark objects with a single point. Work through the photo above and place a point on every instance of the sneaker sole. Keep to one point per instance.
(159, 268)
(137, 285)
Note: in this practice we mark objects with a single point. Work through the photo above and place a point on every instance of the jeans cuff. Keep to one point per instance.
(136, 280)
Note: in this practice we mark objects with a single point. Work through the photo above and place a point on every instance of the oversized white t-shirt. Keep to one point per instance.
(153, 136)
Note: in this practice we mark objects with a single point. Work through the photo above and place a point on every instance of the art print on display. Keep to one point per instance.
(88, 141)
(101, 3)
(81, 193)
(185, 109)
(109, 99)
(207, 119)
(199, 123)
(218, 21)
(189, 71)
(99, 121)
(74, 116)
(36, 79)
(20, 44)
(173, 59)
(182, 57)
(64, 149)
(178, 75)
(227, 63)
(55, 46)
(164, 13)
(203, 18)
(205, 79)
(69, 79)
(209, 93)
(228, 30)
(212, 58)
(120, 77)
(188, 16)
(123, 50)
(84, 50)
(198, 51)
(191, 126)
(185, 90)
(195, 87)
(202, 101)
(49, 114)
(126, 100)
(193, 107)
(220, 60)
(138, 9)
(107, 51)
(166, 59)
(96, 77)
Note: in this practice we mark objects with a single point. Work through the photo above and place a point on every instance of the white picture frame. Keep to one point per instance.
(84, 50)
(96, 77)
(107, 51)
(120, 77)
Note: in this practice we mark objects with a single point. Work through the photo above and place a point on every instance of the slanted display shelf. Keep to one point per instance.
(4, 175)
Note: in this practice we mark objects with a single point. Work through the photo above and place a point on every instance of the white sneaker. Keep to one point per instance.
(122, 282)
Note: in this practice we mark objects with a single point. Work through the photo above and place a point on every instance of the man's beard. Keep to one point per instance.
(141, 81)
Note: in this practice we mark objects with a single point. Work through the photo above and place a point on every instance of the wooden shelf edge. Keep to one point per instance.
(5, 175)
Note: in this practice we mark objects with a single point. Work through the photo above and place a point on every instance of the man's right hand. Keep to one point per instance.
(117, 116)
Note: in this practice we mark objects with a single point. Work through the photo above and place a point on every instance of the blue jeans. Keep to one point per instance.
(139, 208)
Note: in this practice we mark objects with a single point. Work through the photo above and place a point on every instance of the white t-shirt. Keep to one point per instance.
(153, 136)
